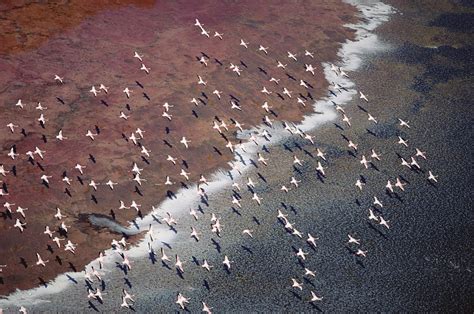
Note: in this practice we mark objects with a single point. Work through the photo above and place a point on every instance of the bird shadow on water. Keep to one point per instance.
(377, 231)
(307, 281)
(320, 177)
(71, 279)
(308, 153)
(152, 257)
(121, 267)
(206, 285)
(247, 249)
(301, 263)
(236, 194)
(255, 219)
(167, 245)
(432, 184)
(351, 251)
(184, 310)
(216, 245)
(360, 263)
(204, 201)
(293, 209)
(253, 163)
(286, 147)
(92, 306)
(236, 211)
(163, 264)
(127, 282)
(338, 126)
(404, 179)
(88, 285)
(296, 295)
(298, 171)
(314, 306)
(373, 166)
(351, 153)
(377, 210)
(200, 209)
(156, 219)
(394, 195)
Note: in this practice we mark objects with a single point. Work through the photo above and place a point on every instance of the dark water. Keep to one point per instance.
(424, 262)
(461, 22)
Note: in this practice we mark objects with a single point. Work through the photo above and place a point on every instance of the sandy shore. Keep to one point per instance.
(96, 46)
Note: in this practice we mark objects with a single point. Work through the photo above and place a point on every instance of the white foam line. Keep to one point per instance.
(350, 55)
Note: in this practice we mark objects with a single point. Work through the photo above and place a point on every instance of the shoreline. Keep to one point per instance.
(308, 123)
(105, 236)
